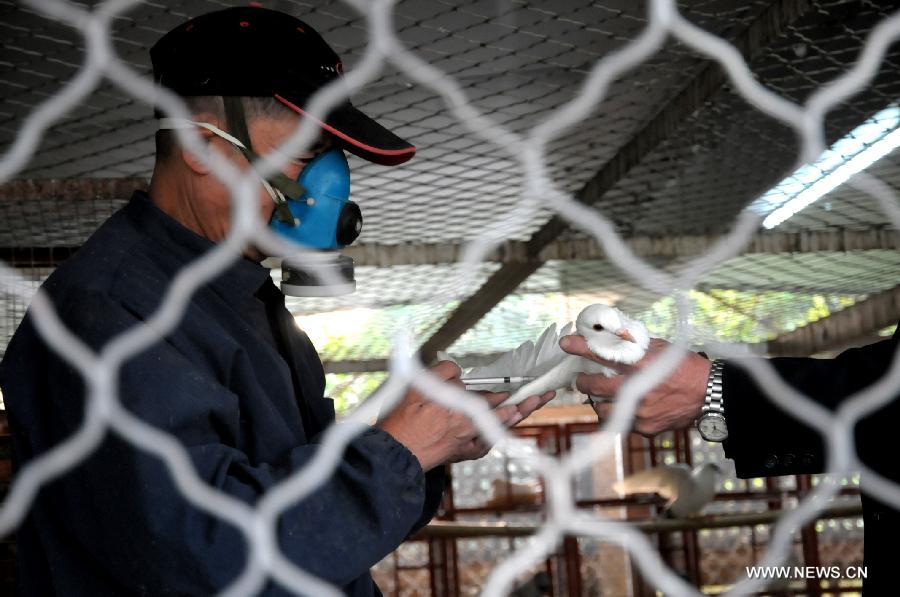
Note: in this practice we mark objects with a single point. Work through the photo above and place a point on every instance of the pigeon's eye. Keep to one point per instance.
(598, 327)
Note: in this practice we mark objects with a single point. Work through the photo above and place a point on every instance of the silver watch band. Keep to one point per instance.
(713, 401)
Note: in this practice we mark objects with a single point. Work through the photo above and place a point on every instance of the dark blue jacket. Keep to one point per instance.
(239, 385)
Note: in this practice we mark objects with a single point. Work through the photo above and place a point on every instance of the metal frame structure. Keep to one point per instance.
(678, 540)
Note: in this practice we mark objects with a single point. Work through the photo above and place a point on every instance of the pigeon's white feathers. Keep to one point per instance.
(686, 492)
(529, 358)
(553, 367)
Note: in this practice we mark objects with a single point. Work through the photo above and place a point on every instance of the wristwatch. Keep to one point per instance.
(711, 423)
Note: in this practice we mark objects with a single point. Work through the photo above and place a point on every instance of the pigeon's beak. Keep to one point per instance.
(624, 334)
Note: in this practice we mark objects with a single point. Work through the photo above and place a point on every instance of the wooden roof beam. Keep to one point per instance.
(861, 322)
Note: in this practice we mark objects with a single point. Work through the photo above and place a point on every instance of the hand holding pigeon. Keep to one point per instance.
(673, 403)
(609, 334)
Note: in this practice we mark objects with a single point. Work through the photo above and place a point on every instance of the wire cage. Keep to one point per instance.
(672, 152)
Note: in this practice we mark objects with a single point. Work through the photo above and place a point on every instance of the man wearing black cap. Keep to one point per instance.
(236, 383)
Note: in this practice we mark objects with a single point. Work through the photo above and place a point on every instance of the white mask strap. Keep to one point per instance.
(179, 123)
(276, 195)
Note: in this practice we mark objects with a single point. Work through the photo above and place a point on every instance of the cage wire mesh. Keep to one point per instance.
(519, 64)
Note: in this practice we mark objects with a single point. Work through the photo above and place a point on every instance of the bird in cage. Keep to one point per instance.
(686, 491)
(538, 585)
(610, 334)
(508, 494)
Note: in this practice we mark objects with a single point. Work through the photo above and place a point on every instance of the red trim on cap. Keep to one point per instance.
(391, 153)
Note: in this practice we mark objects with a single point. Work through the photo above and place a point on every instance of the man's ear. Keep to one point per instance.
(194, 163)
(190, 159)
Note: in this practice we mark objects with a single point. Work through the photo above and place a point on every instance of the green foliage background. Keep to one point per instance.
(724, 314)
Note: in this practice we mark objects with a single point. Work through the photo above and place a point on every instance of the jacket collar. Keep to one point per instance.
(243, 277)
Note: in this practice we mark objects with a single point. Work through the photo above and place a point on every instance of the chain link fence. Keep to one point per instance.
(518, 64)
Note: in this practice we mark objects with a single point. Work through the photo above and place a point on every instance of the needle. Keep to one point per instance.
(482, 381)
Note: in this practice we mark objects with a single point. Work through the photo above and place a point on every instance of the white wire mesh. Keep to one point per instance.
(525, 168)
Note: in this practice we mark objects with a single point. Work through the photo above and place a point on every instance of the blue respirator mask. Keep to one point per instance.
(314, 211)
(324, 218)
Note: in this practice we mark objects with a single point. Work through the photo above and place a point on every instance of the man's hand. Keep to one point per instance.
(672, 404)
(438, 435)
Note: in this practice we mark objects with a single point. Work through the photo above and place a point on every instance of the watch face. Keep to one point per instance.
(712, 428)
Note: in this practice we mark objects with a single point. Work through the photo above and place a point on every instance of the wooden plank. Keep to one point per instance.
(862, 320)
(670, 247)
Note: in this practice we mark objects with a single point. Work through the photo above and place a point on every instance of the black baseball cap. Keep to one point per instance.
(253, 51)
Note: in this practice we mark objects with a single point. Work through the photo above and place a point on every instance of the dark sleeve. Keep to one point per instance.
(763, 440)
(434, 491)
(122, 507)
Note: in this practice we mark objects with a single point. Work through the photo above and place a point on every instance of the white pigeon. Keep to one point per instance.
(686, 492)
(610, 334)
